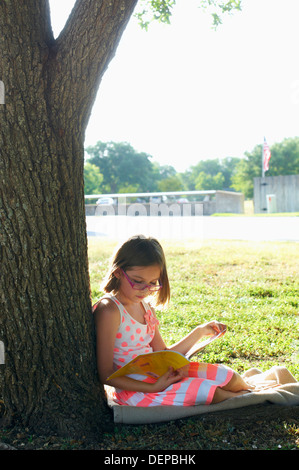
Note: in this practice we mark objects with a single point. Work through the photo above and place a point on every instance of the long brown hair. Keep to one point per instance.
(139, 251)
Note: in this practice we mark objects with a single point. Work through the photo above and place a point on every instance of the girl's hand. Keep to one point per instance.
(212, 328)
(170, 377)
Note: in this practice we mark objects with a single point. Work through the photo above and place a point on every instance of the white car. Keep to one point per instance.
(107, 201)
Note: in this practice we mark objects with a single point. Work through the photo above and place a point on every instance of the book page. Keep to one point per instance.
(199, 346)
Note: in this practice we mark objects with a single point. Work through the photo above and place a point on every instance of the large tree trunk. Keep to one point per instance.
(49, 380)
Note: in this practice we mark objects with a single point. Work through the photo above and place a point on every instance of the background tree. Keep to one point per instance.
(122, 166)
(126, 170)
(284, 161)
(171, 183)
(247, 169)
(211, 174)
(284, 158)
(226, 174)
(228, 168)
(204, 181)
(49, 381)
(93, 179)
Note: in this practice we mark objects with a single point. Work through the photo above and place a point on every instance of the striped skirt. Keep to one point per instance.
(197, 388)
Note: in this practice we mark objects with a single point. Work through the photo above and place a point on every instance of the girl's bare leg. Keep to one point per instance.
(221, 395)
(236, 386)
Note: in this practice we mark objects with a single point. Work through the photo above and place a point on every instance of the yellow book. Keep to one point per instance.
(157, 363)
(152, 364)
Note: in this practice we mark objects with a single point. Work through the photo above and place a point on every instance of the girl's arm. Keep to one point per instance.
(183, 346)
(207, 329)
(107, 320)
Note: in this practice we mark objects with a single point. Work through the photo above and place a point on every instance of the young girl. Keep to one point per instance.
(127, 326)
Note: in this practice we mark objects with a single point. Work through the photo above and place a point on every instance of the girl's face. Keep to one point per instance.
(138, 275)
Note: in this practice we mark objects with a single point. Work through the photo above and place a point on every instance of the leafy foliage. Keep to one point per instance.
(284, 161)
(123, 169)
(92, 179)
(161, 10)
(126, 170)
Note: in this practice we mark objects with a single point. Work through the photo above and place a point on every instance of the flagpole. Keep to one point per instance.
(263, 170)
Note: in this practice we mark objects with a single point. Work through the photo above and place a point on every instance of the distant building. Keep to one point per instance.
(276, 194)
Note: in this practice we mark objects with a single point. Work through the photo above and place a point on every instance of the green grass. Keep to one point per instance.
(253, 287)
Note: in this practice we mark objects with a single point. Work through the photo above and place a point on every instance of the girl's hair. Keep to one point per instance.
(139, 251)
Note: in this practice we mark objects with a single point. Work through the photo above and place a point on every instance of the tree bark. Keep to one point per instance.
(49, 381)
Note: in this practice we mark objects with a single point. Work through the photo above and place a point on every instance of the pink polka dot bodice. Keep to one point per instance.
(132, 338)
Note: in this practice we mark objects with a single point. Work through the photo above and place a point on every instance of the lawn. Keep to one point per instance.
(253, 287)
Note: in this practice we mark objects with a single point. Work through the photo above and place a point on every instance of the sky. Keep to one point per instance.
(184, 92)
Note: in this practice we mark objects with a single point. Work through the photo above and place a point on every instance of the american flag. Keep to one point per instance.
(267, 155)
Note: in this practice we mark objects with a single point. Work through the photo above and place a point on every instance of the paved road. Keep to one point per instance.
(182, 228)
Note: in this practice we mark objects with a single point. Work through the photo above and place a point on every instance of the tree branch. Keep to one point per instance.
(83, 51)
(23, 47)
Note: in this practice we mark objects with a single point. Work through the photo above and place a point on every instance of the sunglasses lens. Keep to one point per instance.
(147, 287)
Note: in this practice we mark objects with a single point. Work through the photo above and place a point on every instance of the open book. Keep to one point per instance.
(157, 363)
(202, 344)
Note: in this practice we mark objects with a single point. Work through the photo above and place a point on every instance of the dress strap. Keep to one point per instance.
(109, 297)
